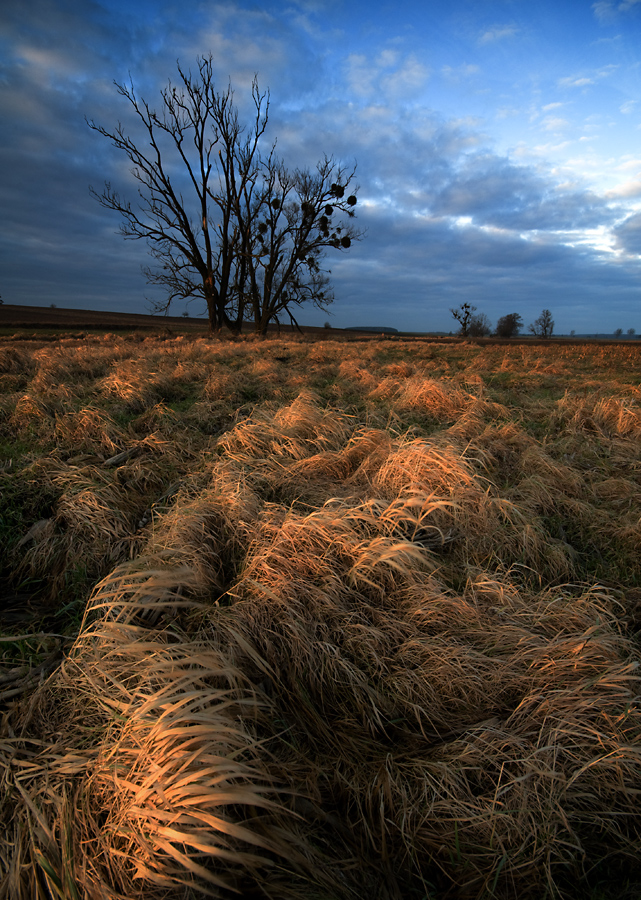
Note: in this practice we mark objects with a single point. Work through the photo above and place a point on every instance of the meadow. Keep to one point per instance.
(301, 618)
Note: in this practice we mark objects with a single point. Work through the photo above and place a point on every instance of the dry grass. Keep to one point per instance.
(349, 621)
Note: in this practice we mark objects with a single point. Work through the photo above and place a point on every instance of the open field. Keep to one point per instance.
(315, 619)
(38, 319)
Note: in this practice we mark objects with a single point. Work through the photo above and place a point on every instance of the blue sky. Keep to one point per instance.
(498, 146)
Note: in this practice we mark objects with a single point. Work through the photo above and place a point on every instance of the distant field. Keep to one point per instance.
(305, 618)
(37, 321)
(21, 317)
(38, 317)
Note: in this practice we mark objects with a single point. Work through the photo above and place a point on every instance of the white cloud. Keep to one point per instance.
(386, 75)
(590, 78)
(507, 112)
(498, 33)
(458, 73)
(543, 150)
(554, 123)
(630, 163)
(575, 81)
(603, 10)
(628, 107)
(607, 11)
(387, 58)
(360, 74)
(407, 79)
(628, 189)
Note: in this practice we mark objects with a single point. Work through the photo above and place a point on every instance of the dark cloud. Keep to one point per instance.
(628, 234)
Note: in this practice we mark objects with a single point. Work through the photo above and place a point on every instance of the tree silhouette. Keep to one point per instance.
(222, 220)
(509, 326)
(463, 315)
(479, 326)
(543, 326)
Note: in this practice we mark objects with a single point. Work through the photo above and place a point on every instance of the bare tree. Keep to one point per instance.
(193, 237)
(203, 184)
(479, 326)
(631, 332)
(543, 326)
(618, 332)
(298, 217)
(463, 315)
(509, 326)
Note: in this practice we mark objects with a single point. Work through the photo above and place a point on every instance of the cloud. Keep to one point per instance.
(627, 189)
(408, 79)
(586, 79)
(498, 33)
(508, 112)
(360, 74)
(606, 11)
(554, 123)
(629, 163)
(575, 81)
(414, 257)
(628, 107)
(460, 73)
(387, 58)
(389, 76)
(495, 192)
(628, 234)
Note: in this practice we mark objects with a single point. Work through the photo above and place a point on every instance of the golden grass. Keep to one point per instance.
(344, 641)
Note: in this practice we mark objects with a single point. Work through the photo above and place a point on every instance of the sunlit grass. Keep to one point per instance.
(319, 619)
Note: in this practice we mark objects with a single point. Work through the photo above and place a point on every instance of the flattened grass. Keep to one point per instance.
(377, 640)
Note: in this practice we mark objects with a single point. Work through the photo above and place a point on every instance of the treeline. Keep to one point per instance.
(473, 324)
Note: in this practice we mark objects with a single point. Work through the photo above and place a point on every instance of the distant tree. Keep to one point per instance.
(618, 332)
(543, 326)
(631, 332)
(327, 325)
(52, 306)
(463, 315)
(185, 315)
(509, 326)
(1, 301)
(572, 333)
(479, 326)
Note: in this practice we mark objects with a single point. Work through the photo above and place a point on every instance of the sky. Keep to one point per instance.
(498, 147)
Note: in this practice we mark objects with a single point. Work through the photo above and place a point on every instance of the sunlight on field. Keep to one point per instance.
(319, 620)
